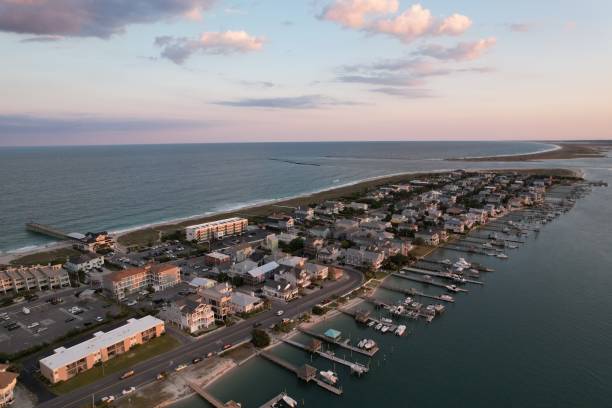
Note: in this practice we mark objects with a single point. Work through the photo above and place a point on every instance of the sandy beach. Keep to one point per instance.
(565, 151)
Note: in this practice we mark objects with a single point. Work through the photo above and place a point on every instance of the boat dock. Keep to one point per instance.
(438, 274)
(355, 367)
(272, 403)
(342, 344)
(428, 282)
(414, 314)
(305, 372)
(211, 399)
(414, 292)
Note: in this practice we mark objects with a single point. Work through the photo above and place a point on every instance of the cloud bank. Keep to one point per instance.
(178, 49)
(380, 17)
(290, 102)
(90, 18)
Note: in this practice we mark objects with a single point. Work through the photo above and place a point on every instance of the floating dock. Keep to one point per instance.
(355, 367)
(428, 282)
(444, 275)
(414, 292)
(342, 344)
(272, 403)
(305, 372)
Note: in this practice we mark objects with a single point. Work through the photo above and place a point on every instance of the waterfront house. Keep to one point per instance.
(281, 289)
(429, 237)
(219, 298)
(244, 303)
(96, 241)
(190, 313)
(280, 221)
(364, 258)
(455, 225)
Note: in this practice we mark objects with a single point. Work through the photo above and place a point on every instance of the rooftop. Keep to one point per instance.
(64, 356)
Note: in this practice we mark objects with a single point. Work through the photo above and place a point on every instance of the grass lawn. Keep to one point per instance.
(56, 256)
(120, 363)
(139, 237)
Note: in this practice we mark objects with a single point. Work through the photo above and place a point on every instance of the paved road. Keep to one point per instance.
(147, 371)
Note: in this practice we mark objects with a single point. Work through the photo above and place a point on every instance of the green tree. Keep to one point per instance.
(260, 338)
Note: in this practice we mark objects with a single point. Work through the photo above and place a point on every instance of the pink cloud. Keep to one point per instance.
(354, 13)
(379, 16)
(464, 51)
(227, 42)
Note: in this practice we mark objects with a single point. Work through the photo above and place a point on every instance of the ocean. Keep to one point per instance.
(536, 334)
(115, 188)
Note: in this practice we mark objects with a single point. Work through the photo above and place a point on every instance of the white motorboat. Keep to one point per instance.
(329, 376)
(401, 329)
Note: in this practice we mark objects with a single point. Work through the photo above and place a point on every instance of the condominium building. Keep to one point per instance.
(158, 277)
(213, 230)
(65, 363)
(8, 380)
(84, 262)
(33, 278)
(191, 314)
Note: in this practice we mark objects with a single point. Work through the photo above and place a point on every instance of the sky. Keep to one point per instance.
(193, 71)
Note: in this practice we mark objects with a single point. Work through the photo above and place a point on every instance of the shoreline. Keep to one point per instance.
(563, 150)
(140, 235)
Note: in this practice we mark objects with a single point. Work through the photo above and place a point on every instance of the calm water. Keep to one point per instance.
(80, 189)
(537, 334)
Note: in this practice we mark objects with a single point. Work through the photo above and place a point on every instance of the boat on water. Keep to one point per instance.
(329, 377)
(512, 246)
(439, 308)
(366, 344)
(448, 298)
(386, 320)
(290, 402)
(502, 256)
(408, 300)
(462, 264)
(452, 288)
(401, 329)
(446, 261)
(487, 245)
(385, 329)
(372, 323)
(379, 326)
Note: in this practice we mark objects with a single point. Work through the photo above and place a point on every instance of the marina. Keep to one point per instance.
(451, 288)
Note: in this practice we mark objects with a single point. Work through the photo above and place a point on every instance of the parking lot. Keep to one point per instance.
(46, 322)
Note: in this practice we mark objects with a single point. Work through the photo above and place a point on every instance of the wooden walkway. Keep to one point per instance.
(209, 397)
(355, 367)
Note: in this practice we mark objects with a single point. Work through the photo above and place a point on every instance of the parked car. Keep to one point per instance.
(128, 390)
(33, 325)
(280, 312)
(181, 367)
(108, 399)
(99, 319)
(196, 360)
(227, 346)
(131, 302)
(70, 319)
